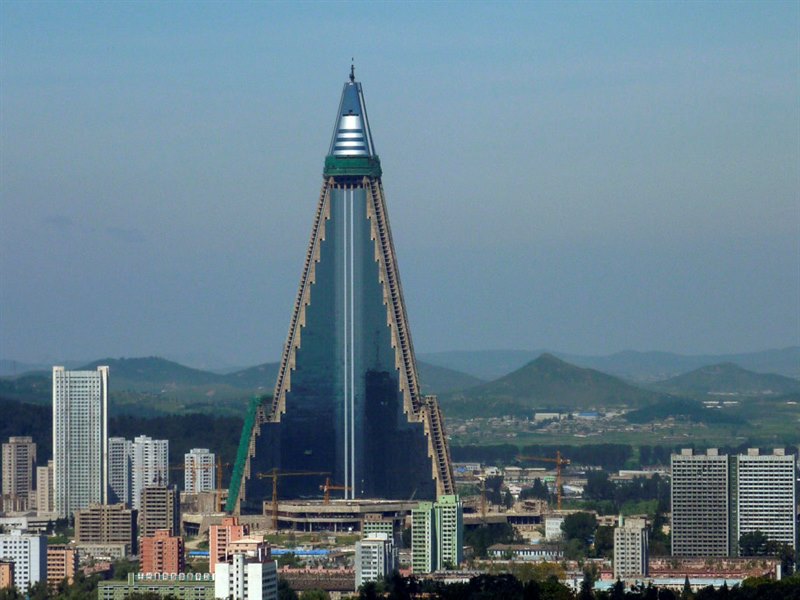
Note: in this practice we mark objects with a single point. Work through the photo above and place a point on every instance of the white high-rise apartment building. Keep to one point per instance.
(630, 549)
(251, 576)
(120, 453)
(149, 466)
(766, 495)
(28, 552)
(80, 434)
(19, 458)
(718, 498)
(700, 504)
(199, 473)
(376, 557)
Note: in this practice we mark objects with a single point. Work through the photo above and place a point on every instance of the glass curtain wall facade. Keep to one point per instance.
(347, 403)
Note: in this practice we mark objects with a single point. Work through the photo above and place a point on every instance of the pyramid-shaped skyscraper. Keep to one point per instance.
(347, 399)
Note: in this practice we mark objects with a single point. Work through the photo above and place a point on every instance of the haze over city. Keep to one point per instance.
(580, 177)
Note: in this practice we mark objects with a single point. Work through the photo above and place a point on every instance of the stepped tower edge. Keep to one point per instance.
(347, 399)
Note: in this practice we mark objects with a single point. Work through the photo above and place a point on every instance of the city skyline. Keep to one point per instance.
(587, 178)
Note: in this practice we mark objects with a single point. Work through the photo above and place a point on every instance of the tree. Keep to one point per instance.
(753, 544)
(508, 499)
(598, 486)
(618, 591)
(285, 591)
(604, 542)
(315, 594)
(686, 594)
(579, 526)
(587, 586)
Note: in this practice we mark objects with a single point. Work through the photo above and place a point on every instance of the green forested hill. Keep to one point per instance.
(728, 378)
(546, 383)
(153, 386)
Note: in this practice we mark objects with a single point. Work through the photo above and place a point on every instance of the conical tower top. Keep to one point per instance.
(352, 137)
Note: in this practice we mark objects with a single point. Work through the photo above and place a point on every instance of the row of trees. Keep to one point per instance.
(508, 587)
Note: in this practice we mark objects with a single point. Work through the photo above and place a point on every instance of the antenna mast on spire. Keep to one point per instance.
(352, 70)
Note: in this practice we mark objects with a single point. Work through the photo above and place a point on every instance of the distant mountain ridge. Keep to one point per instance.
(546, 383)
(154, 385)
(629, 364)
(728, 378)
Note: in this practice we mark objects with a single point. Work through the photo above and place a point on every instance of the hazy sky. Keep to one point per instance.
(586, 177)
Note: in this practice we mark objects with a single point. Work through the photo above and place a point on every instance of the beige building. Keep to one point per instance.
(6, 574)
(62, 562)
(106, 524)
(160, 510)
(19, 458)
(630, 549)
(44, 489)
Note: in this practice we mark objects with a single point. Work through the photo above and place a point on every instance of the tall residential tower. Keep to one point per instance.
(80, 434)
(347, 396)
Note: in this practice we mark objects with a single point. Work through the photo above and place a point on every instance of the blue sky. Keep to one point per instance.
(584, 177)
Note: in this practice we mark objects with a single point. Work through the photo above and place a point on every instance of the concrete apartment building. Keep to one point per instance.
(376, 557)
(766, 496)
(423, 532)
(62, 563)
(449, 531)
(107, 524)
(717, 498)
(19, 459)
(180, 586)
(28, 552)
(149, 466)
(436, 534)
(700, 504)
(630, 549)
(247, 576)
(6, 574)
(220, 538)
(199, 474)
(162, 553)
(45, 495)
(120, 454)
(80, 434)
(160, 510)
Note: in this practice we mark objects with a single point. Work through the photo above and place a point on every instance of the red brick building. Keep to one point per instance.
(162, 553)
(220, 536)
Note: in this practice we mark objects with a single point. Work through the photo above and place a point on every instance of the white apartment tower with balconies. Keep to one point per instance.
(630, 549)
(199, 471)
(120, 455)
(766, 495)
(149, 466)
(80, 434)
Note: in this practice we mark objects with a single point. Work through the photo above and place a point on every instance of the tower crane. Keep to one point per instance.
(559, 460)
(274, 474)
(330, 486)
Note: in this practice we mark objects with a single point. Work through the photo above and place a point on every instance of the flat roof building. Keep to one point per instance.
(107, 524)
(162, 553)
(80, 434)
(28, 552)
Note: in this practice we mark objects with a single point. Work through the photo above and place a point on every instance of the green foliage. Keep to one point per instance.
(290, 559)
(480, 538)
(121, 567)
(535, 385)
(538, 490)
(315, 595)
(285, 591)
(579, 526)
(604, 542)
(681, 407)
